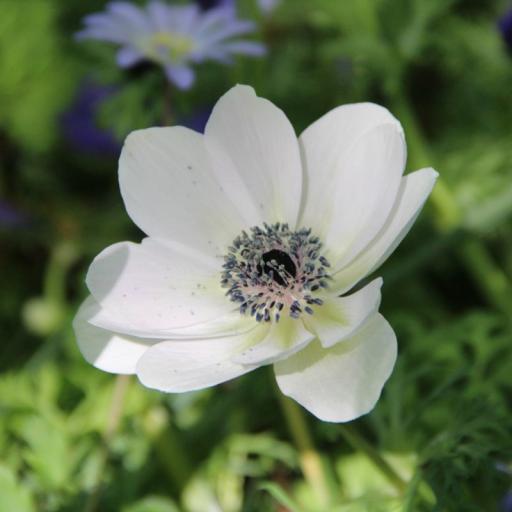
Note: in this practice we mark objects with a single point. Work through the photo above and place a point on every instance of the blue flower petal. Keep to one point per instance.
(181, 76)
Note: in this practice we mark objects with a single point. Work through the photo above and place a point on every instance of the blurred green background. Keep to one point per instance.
(73, 438)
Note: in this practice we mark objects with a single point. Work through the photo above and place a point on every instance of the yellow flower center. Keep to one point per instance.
(170, 46)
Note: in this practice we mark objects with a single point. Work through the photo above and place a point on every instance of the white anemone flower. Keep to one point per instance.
(255, 242)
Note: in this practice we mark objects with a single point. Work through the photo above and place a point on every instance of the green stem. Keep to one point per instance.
(310, 461)
(62, 257)
(115, 414)
(418, 492)
(492, 281)
(360, 444)
(167, 112)
(172, 457)
(169, 449)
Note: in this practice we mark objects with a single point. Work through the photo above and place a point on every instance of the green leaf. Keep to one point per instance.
(280, 496)
(36, 78)
(152, 504)
(14, 497)
(48, 452)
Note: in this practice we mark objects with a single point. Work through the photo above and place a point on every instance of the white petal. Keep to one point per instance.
(414, 190)
(340, 317)
(106, 350)
(254, 137)
(157, 286)
(230, 324)
(343, 382)
(170, 190)
(283, 339)
(177, 366)
(362, 192)
(353, 159)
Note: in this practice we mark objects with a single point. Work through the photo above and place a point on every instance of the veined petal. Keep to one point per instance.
(227, 30)
(252, 136)
(340, 317)
(283, 339)
(157, 286)
(178, 366)
(183, 19)
(165, 17)
(361, 191)
(353, 158)
(414, 190)
(108, 351)
(108, 27)
(129, 15)
(343, 382)
(103, 34)
(231, 324)
(211, 18)
(170, 190)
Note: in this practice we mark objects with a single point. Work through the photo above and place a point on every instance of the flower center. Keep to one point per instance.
(272, 270)
(274, 260)
(166, 45)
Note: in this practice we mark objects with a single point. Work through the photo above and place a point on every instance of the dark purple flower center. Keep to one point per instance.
(273, 261)
(273, 270)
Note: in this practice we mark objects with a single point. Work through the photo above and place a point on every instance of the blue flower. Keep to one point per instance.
(506, 504)
(505, 26)
(79, 122)
(198, 119)
(175, 37)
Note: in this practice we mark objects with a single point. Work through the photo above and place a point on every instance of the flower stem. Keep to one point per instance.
(62, 257)
(492, 281)
(169, 450)
(116, 407)
(360, 444)
(167, 113)
(114, 417)
(310, 461)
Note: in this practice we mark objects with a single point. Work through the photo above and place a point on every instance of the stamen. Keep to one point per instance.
(273, 269)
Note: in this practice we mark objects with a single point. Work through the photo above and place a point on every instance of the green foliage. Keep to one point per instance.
(13, 496)
(36, 75)
(144, 111)
(443, 423)
(280, 496)
(152, 504)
